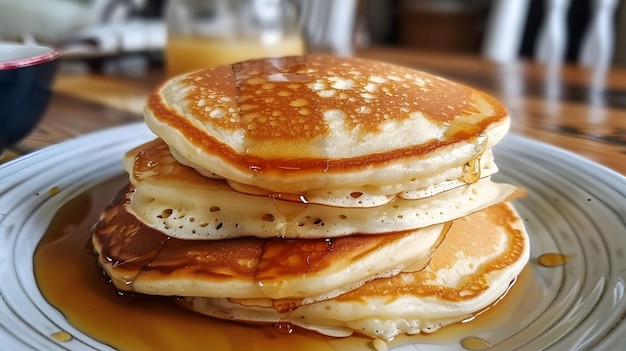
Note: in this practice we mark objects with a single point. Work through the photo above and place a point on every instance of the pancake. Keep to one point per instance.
(140, 259)
(326, 124)
(369, 195)
(336, 194)
(476, 263)
(372, 196)
(181, 203)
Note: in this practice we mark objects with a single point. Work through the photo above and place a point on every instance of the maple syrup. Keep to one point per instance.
(284, 327)
(553, 259)
(69, 278)
(62, 336)
(471, 171)
(291, 214)
(474, 343)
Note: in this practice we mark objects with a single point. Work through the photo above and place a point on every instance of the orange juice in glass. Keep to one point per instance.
(208, 33)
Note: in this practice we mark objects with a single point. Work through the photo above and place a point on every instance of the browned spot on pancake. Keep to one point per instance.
(274, 101)
(213, 97)
(296, 258)
(225, 259)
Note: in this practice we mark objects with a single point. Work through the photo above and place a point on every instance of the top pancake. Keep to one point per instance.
(319, 122)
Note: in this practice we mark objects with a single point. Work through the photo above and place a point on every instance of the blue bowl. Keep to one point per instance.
(26, 77)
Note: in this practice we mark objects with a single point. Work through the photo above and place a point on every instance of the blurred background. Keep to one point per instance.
(104, 34)
(116, 51)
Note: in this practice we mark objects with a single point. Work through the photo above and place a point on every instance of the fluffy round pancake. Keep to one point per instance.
(141, 259)
(479, 258)
(370, 195)
(295, 124)
(181, 203)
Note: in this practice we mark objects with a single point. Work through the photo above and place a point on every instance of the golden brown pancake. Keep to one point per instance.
(479, 258)
(311, 124)
(315, 190)
(141, 259)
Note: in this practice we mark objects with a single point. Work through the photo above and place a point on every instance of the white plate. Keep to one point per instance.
(573, 206)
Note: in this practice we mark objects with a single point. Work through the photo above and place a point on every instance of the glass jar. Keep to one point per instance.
(207, 33)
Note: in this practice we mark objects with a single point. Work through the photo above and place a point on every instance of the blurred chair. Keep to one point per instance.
(328, 25)
(115, 11)
(505, 30)
(116, 29)
(51, 21)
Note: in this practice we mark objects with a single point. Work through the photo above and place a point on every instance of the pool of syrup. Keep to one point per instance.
(70, 279)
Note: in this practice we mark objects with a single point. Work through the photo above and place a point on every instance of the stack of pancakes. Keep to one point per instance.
(335, 194)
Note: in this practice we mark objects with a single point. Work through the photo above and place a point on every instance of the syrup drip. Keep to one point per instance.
(119, 266)
(53, 191)
(475, 136)
(553, 259)
(471, 171)
(62, 336)
(284, 328)
(291, 214)
(474, 343)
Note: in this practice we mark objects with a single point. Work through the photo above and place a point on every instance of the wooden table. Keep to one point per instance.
(577, 109)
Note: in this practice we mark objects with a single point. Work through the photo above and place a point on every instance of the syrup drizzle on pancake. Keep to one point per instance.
(478, 138)
(290, 213)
